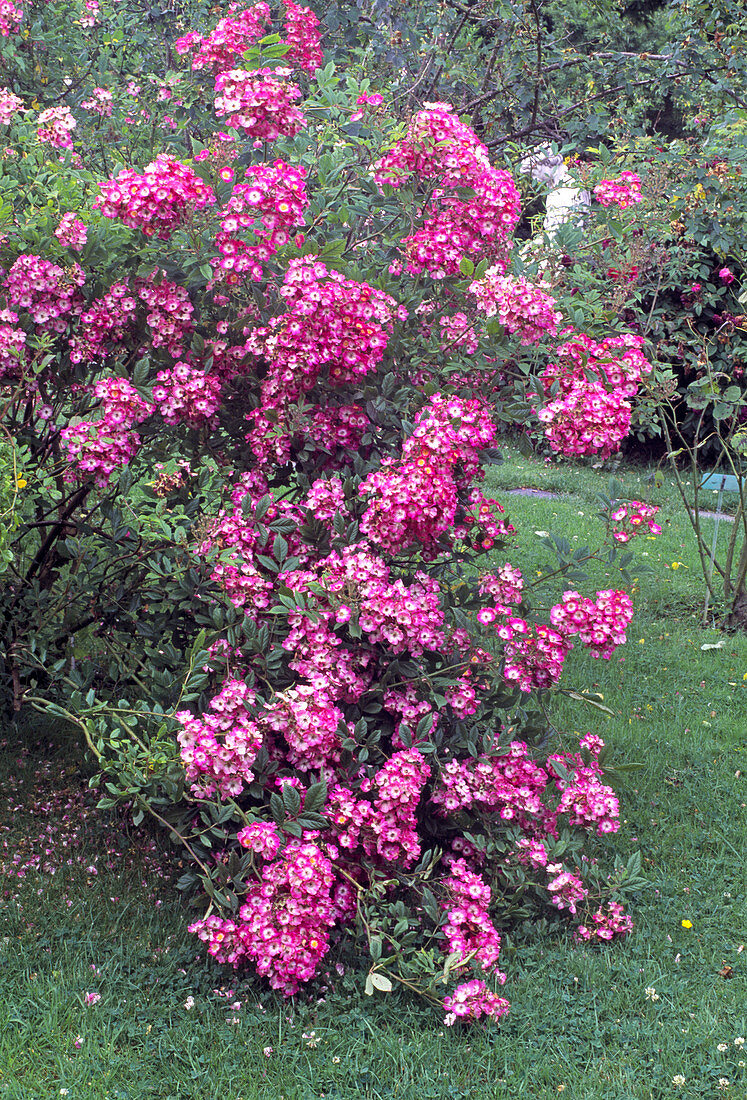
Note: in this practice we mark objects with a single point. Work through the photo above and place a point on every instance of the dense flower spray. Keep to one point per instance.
(415, 499)
(596, 380)
(157, 202)
(230, 38)
(622, 192)
(520, 307)
(439, 147)
(71, 232)
(303, 37)
(236, 32)
(55, 126)
(261, 103)
(103, 324)
(265, 207)
(10, 17)
(617, 361)
(46, 292)
(332, 324)
(10, 105)
(471, 1000)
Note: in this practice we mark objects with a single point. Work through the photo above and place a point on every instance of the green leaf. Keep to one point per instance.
(634, 865)
(380, 981)
(312, 822)
(450, 962)
(198, 644)
(316, 797)
(405, 735)
(291, 799)
(524, 446)
(591, 700)
(559, 769)
(263, 504)
(277, 809)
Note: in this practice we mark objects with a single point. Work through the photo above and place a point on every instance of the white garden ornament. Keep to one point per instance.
(564, 198)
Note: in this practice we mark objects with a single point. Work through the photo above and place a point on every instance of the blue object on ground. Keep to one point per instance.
(717, 482)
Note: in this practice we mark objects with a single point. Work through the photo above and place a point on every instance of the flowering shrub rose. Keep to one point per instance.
(617, 361)
(228, 40)
(45, 291)
(592, 412)
(341, 662)
(302, 35)
(100, 102)
(472, 1000)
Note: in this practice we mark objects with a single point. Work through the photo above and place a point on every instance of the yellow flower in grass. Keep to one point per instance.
(687, 923)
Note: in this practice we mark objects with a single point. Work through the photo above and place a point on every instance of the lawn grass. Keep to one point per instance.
(581, 1025)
